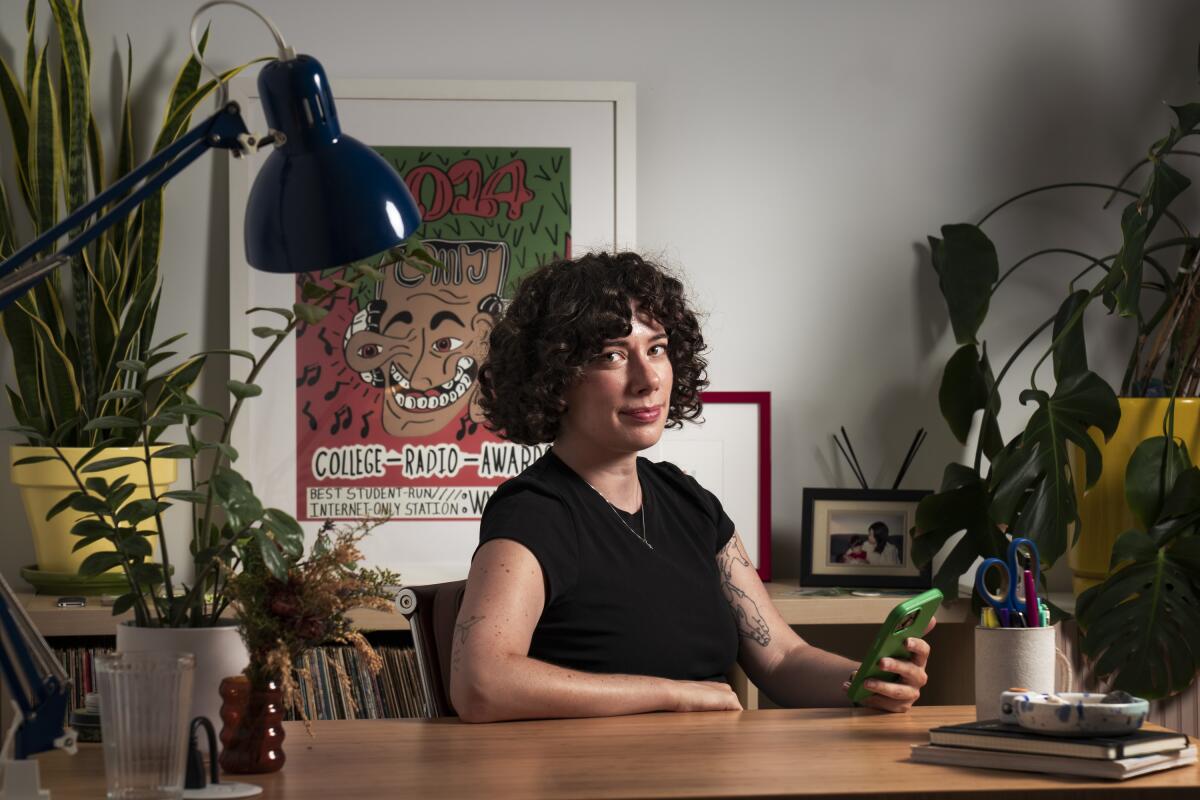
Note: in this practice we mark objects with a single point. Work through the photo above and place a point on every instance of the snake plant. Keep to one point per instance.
(71, 333)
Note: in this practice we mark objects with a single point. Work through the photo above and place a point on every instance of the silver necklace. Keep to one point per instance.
(641, 536)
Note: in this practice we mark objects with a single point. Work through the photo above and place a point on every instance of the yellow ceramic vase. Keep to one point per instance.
(1102, 509)
(44, 484)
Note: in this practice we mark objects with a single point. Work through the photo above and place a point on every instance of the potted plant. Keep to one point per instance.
(1132, 474)
(280, 619)
(69, 337)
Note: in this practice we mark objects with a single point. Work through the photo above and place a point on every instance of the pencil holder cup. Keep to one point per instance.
(1007, 658)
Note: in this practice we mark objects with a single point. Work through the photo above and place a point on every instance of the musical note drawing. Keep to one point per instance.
(337, 387)
(342, 419)
(312, 421)
(312, 374)
(328, 347)
(465, 427)
(366, 426)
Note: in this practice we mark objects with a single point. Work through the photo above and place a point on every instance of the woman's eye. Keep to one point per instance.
(446, 344)
(611, 357)
(658, 349)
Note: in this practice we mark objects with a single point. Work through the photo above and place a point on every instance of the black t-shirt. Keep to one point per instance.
(614, 605)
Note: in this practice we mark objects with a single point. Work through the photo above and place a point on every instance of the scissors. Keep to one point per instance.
(1011, 605)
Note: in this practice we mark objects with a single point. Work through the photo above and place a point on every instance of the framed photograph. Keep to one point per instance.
(858, 538)
(729, 453)
(374, 413)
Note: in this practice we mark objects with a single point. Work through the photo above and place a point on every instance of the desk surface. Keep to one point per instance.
(773, 753)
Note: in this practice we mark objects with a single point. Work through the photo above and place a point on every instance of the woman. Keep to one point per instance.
(881, 552)
(605, 584)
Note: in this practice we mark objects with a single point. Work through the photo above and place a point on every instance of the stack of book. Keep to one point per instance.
(993, 744)
(395, 692)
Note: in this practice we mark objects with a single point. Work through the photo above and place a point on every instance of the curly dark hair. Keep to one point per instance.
(560, 318)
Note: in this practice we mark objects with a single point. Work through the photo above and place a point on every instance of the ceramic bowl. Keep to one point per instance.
(1072, 713)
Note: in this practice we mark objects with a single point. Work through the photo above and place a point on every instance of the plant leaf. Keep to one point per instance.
(271, 555)
(966, 387)
(1070, 354)
(1147, 485)
(1142, 625)
(100, 562)
(960, 505)
(967, 267)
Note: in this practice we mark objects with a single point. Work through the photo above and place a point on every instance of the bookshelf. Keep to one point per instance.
(97, 620)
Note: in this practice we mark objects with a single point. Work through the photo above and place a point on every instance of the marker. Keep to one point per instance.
(1032, 606)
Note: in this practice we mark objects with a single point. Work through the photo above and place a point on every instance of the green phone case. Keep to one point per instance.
(889, 643)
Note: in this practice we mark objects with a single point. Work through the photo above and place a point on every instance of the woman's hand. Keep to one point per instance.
(705, 696)
(899, 696)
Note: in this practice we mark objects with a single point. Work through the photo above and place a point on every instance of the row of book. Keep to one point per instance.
(993, 744)
(393, 693)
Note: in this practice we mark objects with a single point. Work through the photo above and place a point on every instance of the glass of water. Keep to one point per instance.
(144, 702)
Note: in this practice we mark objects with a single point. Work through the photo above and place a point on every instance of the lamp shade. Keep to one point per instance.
(322, 199)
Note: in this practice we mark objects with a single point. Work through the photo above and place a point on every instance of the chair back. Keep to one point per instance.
(431, 612)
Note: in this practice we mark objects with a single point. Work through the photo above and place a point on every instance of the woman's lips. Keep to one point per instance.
(644, 414)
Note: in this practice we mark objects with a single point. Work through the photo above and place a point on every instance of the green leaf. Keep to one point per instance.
(43, 150)
(92, 527)
(98, 563)
(97, 486)
(315, 291)
(176, 451)
(111, 463)
(263, 332)
(186, 495)
(237, 497)
(283, 312)
(20, 462)
(1036, 475)
(239, 353)
(1070, 352)
(287, 530)
(1184, 497)
(124, 603)
(271, 555)
(1142, 625)
(88, 504)
(1152, 471)
(59, 507)
(309, 313)
(121, 394)
(135, 546)
(111, 423)
(243, 391)
(133, 365)
(967, 266)
(960, 505)
(139, 510)
(966, 388)
(167, 342)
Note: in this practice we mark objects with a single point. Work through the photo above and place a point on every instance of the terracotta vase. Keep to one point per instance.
(252, 726)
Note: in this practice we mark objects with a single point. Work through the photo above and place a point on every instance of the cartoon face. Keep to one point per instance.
(422, 339)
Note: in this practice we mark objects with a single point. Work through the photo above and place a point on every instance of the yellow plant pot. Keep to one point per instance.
(1102, 509)
(44, 484)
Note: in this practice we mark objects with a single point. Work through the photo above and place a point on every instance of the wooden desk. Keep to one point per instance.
(771, 753)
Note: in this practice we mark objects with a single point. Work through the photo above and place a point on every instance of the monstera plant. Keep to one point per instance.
(1141, 625)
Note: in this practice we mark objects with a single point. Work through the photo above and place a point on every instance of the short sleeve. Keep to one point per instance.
(541, 523)
(710, 504)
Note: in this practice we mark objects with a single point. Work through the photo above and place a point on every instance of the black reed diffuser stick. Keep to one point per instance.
(917, 441)
(851, 458)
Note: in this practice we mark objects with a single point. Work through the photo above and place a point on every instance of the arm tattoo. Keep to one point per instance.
(461, 631)
(750, 621)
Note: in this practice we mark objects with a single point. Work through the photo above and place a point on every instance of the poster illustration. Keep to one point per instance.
(388, 421)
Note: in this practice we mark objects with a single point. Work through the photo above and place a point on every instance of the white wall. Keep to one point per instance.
(792, 157)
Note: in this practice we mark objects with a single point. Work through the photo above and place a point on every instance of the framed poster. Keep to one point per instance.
(858, 538)
(374, 413)
(729, 453)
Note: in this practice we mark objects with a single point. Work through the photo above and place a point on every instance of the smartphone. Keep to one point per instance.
(909, 618)
(72, 601)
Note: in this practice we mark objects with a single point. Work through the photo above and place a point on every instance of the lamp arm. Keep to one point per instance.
(225, 129)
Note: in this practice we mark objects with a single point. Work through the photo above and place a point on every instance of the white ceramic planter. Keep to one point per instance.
(219, 653)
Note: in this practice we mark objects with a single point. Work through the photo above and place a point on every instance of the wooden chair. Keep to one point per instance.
(431, 612)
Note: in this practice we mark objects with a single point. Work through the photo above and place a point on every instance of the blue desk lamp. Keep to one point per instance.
(322, 199)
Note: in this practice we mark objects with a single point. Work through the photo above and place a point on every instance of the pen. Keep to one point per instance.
(1032, 606)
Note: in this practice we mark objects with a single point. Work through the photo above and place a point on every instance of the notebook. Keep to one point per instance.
(992, 734)
(1118, 769)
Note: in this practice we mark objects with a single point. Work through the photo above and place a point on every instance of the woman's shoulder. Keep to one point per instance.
(540, 486)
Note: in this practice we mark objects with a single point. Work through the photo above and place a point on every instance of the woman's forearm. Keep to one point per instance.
(808, 677)
(519, 687)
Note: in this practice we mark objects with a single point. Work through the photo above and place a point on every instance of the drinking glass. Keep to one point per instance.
(144, 702)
